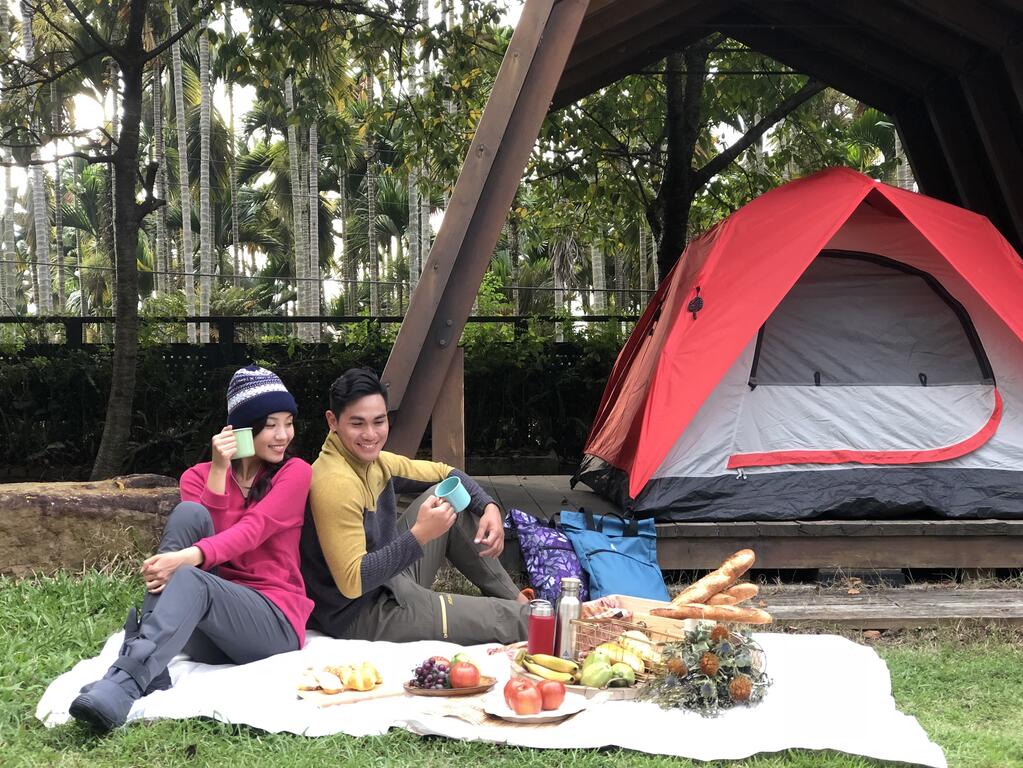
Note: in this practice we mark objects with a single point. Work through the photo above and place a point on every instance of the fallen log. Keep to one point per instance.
(45, 527)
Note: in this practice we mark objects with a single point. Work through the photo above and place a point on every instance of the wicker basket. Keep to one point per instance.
(589, 633)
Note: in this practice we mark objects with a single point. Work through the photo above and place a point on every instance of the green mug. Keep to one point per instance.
(244, 445)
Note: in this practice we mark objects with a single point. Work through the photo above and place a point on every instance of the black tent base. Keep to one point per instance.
(920, 492)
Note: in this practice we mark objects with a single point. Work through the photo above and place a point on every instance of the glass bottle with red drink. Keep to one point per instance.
(541, 628)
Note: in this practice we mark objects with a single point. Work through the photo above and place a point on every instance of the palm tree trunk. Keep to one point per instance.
(347, 257)
(620, 285)
(58, 197)
(314, 231)
(414, 260)
(205, 221)
(372, 250)
(41, 219)
(299, 221)
(599, 279)
(236, 260)
(160, 186)
(514, 253)
(185, 256)
(642, 263)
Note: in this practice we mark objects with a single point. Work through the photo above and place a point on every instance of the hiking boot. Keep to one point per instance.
(132, 627)
(107, 702)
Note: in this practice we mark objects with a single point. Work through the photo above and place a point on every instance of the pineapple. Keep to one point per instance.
(740, 688)
(709, 664)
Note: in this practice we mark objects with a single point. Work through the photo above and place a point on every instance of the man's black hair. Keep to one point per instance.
(352, 385)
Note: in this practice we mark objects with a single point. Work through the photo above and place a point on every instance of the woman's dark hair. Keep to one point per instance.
(352, 385)
(261, 486)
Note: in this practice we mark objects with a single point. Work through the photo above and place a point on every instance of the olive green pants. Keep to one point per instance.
(407, 609)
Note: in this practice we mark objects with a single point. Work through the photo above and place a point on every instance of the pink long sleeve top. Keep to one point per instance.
(257, 546)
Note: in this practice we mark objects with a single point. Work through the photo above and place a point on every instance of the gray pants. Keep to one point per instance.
(407, 610)
(213, 620)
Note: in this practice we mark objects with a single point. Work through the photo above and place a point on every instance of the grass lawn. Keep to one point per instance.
(963, 684)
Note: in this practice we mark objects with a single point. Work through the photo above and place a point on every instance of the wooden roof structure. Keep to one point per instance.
(950, 72)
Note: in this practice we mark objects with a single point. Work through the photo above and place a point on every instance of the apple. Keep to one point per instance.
(552, 693)
(522, 696)
(464, 675)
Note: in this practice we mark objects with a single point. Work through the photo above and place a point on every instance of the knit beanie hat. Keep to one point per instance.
(255, 393)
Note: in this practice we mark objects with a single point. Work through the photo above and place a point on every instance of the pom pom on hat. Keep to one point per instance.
(255, 393)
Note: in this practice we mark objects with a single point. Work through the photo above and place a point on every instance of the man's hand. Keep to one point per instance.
(158, 569)
(490, 532)
(434, 518)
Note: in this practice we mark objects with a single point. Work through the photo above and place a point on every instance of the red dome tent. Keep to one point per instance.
(836, 348)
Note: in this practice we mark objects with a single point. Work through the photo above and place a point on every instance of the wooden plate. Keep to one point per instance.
(486, 683)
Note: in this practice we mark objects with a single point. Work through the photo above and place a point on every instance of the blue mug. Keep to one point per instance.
(454, 493)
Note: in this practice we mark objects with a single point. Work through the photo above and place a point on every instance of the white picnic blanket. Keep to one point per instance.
(828, 693)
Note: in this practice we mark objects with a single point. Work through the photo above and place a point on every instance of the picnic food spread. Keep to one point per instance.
(684, 654)
(335, 679)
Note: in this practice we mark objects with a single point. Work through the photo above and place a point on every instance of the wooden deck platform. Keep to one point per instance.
(824, 544)
(907, 607)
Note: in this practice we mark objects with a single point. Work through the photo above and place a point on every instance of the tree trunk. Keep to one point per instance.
(58, 199)
(117, 425)
(160, 187)
(205, 220)
(186, 255)
(313, 329)
(372, 250)
(298, 214)
(412, 232)
(7, 266)
(113, 75)
(642, 264)
(620, 284)
(685, 75)
(236, 261)
(348, 276)
(599, 279)
(514, 251)
(40, 208)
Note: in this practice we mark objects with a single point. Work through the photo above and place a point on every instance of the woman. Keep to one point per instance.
(225, 584)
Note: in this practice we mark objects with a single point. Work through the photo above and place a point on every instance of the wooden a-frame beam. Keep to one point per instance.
(990, 99)
(426, 342)
(972, 19)
(923, 150)
(950, 116)
(626, 37)
(895, 26)
(825, 35)
(783, 47)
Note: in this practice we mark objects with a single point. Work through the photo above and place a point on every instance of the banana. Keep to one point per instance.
(554, 662)
(547, 674)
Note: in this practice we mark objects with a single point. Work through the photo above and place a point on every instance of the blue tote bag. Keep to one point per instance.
(619, 555)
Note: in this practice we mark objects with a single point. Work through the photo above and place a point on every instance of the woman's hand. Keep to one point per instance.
(224, 446)
(158, 569)
(490, 532)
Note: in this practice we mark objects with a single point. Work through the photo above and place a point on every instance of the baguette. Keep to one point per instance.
(742, 592)
(721, 598)
(717, 581)
(715, 613)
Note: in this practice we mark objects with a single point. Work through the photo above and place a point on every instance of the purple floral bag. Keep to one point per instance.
(548, 555)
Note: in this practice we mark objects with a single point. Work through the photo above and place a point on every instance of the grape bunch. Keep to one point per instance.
(432, 673)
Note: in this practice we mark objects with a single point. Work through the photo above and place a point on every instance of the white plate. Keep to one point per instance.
(573, 703)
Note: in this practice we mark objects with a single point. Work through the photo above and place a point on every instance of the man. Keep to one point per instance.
(369, 570)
